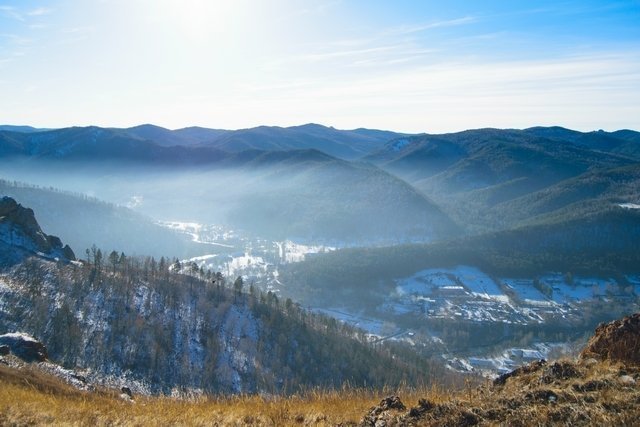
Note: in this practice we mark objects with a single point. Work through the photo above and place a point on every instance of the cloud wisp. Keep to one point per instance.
(11, 12)
(40, 11)
(417, 28)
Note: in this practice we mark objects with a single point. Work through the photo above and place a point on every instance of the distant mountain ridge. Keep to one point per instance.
(99, 144)
(345, 144)
(17, 128)
(434, 153)
(196, 143)
(392, 149)
(167, 138)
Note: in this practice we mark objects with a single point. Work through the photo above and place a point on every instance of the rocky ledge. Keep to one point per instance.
(21, 234)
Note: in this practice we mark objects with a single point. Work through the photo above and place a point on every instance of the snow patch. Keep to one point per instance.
(135, 202)
(372, 326)
(629, 205)
(21, 336)
(526, 292)
(400, 144)
(581, 289)
(461, 279)
(200, 233)
(289, 251)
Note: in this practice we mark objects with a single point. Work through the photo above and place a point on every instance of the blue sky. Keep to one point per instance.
(417, 66)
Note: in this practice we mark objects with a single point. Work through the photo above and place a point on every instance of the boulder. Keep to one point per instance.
(25, 347)
(126, 390)
(382, 414)
(559, 371)
(522, 370)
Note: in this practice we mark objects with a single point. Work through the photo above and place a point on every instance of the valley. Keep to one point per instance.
(438, 249)
(418, 307)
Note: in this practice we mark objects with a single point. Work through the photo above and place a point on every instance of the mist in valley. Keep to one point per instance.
(310, 201)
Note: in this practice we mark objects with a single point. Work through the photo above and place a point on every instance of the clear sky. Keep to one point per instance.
(415, 66)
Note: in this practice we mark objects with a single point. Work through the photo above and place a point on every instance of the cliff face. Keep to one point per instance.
(21, 235)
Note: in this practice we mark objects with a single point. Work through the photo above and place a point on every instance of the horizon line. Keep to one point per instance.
(424, 132)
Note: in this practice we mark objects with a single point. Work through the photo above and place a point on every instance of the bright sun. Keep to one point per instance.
(200, 19)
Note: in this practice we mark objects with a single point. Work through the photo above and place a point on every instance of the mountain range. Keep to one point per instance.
(367, 210)
(149, 142)
(319, 182)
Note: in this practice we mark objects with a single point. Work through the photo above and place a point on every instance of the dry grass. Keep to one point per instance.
(24, 406)
(589, 394)
(29, 397)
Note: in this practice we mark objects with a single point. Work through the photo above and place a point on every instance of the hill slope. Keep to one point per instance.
(140, 320)
(603, 243)
(472, 172)
(596, 190)
(585, 391)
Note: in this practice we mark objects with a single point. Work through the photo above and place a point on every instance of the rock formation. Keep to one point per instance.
(20, 235)
(617, 341)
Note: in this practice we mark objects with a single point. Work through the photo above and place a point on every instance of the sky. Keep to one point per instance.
(403, 65)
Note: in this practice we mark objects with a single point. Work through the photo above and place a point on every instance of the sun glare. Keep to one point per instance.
(199, 19)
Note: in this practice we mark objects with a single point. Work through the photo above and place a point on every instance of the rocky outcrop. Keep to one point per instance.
(391, 413)
(565, 392)
(560, 393)
(24, 346)
(21, 234)
(617, 341)
(383, 413)
(522, 370)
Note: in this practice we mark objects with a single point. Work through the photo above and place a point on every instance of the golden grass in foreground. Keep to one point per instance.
(28, 397)
(578, 394)
(23, 406)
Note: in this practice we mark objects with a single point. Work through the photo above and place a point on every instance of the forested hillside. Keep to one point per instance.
(136, 319)
(603, 243)
(487, 178)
